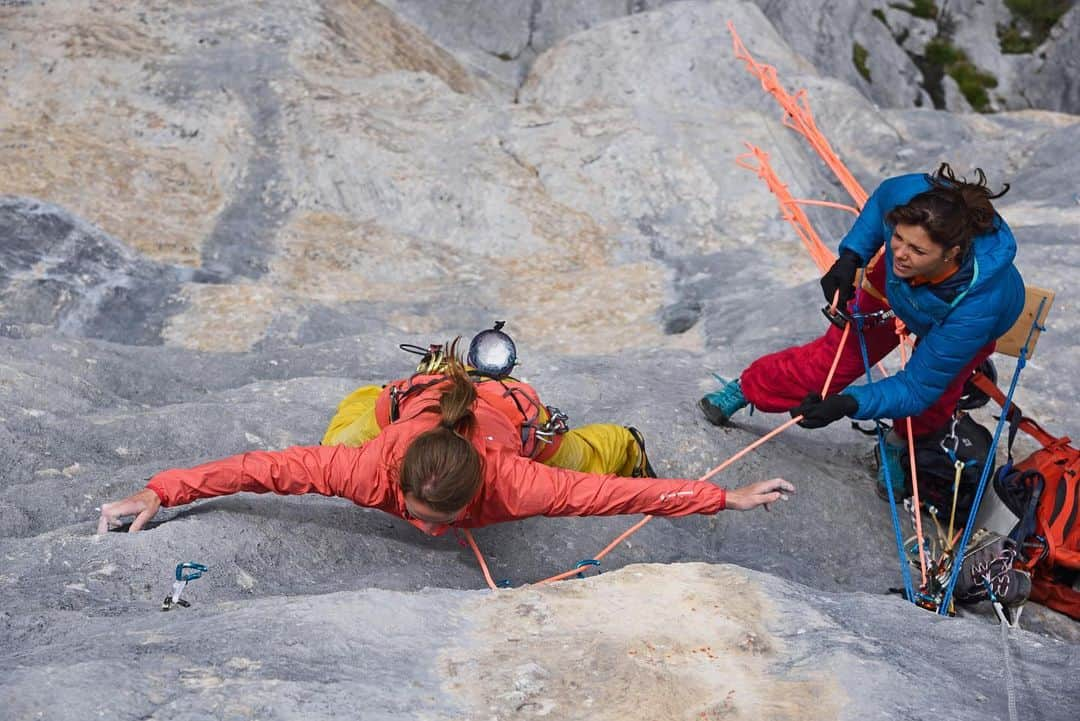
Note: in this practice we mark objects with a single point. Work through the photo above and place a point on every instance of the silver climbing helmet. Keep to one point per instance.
(493, 352)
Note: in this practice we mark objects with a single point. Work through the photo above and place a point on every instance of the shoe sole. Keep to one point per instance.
(644, 468)
(713, 414)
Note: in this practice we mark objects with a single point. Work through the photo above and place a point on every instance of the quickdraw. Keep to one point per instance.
(185, 573)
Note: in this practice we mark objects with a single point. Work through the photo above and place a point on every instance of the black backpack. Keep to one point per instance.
(935, 458)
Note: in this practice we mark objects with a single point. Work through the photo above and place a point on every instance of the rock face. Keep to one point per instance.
(893, 39)
(500, 41)
(1051, 72)
(672, 642)
(219, 220)
(59, 273)
(827, 35)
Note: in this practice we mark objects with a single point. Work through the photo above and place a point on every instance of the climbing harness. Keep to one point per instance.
(577, 571)
(540, 425)
(185, 573)
(840, 318)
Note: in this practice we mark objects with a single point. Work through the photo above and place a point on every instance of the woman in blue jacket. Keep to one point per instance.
(947, 272)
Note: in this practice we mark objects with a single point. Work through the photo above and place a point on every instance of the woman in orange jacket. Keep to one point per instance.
(454, 460)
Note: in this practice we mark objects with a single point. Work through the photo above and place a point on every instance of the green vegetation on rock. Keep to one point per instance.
(1015, 41)
(1031, 23)
(919, 8)
(942, 56)
(859, 56)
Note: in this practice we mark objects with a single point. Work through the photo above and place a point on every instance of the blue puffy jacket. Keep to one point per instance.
(950, 333)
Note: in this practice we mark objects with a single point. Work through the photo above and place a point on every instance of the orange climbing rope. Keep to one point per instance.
(798, 117)
(641, 524)
(901, 331)
(790, 208)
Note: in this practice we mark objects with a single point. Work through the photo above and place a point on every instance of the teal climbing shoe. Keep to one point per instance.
(719, 406)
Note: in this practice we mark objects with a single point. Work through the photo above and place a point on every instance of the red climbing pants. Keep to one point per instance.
(778, 382)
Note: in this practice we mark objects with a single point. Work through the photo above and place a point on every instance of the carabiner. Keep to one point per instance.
(583, 564)
(951, 452)
(196, 571)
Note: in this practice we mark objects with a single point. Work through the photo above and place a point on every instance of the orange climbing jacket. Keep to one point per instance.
(513, 487)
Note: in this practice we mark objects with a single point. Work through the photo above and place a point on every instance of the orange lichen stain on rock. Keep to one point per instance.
(116, 39)
(221, 318)
(331, 259)
(363, 39)
(629, 645)
(150, 198)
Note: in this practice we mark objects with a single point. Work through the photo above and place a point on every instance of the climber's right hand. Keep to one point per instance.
(143, 505)
(841, 277)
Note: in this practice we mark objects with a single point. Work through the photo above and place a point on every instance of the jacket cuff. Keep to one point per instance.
(848, 252)
(723, 499)
(859, 393)
(154, 486)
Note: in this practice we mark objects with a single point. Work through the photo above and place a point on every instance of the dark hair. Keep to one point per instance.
(953, 211)
(441, 467)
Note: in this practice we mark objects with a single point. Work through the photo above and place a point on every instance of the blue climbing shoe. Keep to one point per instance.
(894, 452)
(719, 406)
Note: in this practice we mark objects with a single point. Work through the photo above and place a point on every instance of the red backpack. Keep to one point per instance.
(1043, 490)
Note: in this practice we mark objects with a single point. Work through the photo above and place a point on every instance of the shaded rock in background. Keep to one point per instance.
(58, 272)
(826, 35)
(894, 38)
(1051, 76)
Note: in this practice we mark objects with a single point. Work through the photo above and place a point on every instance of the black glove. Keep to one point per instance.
(819, 413)
(841, 276)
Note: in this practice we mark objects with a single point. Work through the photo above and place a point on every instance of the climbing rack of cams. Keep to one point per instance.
(1028, 328)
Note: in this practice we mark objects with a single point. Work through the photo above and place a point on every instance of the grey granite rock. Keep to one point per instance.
(500, 41)
(826, 35)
